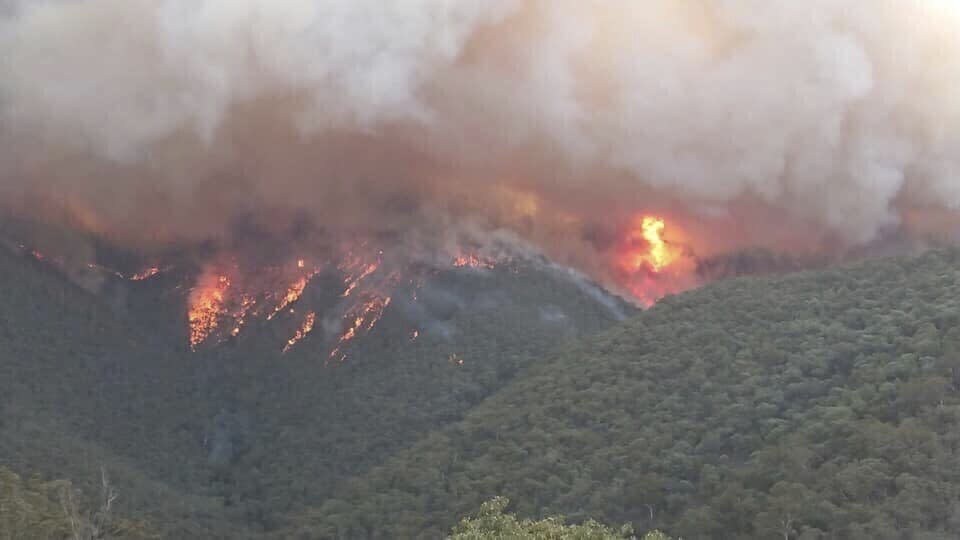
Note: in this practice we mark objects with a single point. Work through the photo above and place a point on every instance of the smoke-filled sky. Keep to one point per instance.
(772, 122)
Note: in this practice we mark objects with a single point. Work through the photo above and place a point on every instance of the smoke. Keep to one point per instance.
(810, 125)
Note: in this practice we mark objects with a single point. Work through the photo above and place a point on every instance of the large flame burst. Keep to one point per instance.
(646, 263)
(659, 255)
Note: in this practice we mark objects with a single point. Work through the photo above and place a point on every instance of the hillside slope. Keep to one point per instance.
(301, 424)
(222, 443)
(80, 390)
(817, 405)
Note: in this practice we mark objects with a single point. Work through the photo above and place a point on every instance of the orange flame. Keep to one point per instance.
(139, 276)
(352, 281)
(292, 295)
(361, 317)
(229, 302)
(247, 303)
(207, 307)
(649, 265)
(145, 274)
(473, 261)
(657, 254)
(359, 266)
(302, 332)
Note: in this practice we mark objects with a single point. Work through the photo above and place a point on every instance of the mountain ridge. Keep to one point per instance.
(238, 416)
(713, 415)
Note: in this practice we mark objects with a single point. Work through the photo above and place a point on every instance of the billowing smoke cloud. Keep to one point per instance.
(746, 122)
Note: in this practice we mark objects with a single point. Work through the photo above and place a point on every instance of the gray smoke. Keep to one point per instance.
(749, 121)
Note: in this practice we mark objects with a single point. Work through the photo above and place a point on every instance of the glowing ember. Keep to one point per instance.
(360, 317)
(247, 304)
(40, 257)
(207, 307)
(368, 290)
(145, 274)
(106, 270)
(376, 311)
(353, 281)
(139, 276)
(302, 332)
(473, 261)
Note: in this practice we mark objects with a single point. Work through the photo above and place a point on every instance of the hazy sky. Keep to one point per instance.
(778, 119)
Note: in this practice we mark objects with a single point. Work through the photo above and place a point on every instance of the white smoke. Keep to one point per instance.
(839, 114)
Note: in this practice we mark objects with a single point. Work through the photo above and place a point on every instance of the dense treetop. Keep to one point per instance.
(812, 406)
(493, 523)
(818, 405)
(224, 442)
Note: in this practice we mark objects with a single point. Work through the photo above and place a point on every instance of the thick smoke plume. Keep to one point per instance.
(815, 125)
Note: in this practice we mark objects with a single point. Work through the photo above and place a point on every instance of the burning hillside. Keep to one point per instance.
(234, 287)
(261, 277)
(630, 141)
(226, 296)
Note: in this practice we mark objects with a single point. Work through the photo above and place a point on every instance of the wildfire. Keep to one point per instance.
(356, 266)
(473, 261)
(142, 275)
(292, 295)
(145, 274)
(656, 254)
(361, 317)
(247, 303)
(207, 307)
(295, 290)
(646, 262)
(352, 281)
(367, 288)
(227, 296)
(302, 332)
(104, 269)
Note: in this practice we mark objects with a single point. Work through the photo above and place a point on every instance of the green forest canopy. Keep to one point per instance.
(817, 405)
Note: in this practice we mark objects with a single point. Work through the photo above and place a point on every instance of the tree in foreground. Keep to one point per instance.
(492, 522)
(35, 509)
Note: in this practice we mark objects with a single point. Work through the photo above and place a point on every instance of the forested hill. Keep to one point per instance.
(227, 441)
(82, 388)
(817, 405)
